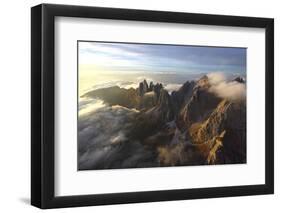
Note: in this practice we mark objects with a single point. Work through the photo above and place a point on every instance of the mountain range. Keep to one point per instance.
(196, 125)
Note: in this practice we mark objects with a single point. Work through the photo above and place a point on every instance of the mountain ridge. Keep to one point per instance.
(205, 128)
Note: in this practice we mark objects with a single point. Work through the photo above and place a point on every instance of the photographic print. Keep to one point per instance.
(177, 101)
(159, 105)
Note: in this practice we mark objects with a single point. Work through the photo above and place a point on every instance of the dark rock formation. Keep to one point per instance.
(148, 100)
(143, 88)
(239, 79)
(165, 106)
(151, 86)
(182, 96)
(157, 87)
(140, 89)
(116, 96)
(149, 123)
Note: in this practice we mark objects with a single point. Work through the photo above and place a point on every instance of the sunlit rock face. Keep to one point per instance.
(147, 126)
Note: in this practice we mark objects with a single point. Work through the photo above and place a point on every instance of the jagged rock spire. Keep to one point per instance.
(143, 87)
(239, 79)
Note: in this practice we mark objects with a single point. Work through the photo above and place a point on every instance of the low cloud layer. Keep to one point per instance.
(172, 87)
(103, 141)
(231, 90)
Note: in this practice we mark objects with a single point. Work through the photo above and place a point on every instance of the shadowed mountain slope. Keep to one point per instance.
(191, 126)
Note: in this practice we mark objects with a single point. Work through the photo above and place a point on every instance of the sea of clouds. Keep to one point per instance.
(103, 141)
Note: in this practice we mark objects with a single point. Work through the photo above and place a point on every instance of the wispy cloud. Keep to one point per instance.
(232, 90)
(166, 58)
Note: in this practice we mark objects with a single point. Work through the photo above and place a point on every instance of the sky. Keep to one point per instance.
(162, 58)
(101, 62)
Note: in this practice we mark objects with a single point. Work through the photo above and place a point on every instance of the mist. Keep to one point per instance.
(223, 88)
(103, 141)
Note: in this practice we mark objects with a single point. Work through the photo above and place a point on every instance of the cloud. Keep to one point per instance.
(88, 105)
(216, 77)
(111, 83)
(103, 141)
(231, 90)
(172, 87)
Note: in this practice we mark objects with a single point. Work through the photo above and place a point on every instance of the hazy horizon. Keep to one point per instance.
(107, 64)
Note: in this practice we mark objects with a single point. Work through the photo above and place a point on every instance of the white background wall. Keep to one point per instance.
(15, 105)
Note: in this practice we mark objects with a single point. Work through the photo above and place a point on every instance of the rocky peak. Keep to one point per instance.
(203, 82)
(187, 86)
(157, 88)
(199, 104)
(239, 80)
(143, 87)
(140, 89)
(165, 105)
(151, 86)
(183, 95)
(164, 98)
(163, 111)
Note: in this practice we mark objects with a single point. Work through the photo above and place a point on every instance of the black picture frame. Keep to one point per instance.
(43, 102)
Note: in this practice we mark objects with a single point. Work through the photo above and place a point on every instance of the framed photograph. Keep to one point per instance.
(139, 106)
